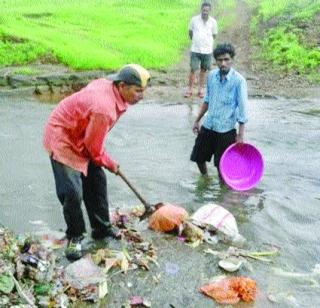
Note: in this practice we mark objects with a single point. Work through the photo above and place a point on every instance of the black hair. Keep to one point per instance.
(205, 4)
(117, 82)
(222, 49)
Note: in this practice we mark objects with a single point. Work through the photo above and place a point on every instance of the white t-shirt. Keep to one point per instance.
(203, 31)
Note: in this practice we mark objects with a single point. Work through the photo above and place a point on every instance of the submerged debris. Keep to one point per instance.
(31, 275)
(231, 290)
(215, 218)
(242, 254)
(27, 272)
(85, 281)
(230, 264)
(167, 218)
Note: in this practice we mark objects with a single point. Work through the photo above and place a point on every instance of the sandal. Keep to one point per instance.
(201, 94)
(188, 94)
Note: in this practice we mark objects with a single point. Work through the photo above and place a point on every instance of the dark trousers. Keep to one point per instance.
(72, 187)
(209, 142)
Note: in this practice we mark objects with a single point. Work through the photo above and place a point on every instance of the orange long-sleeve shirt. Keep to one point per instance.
(75, 131)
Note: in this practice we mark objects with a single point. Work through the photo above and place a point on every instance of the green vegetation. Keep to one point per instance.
(19, 52)
(287, 31)
(93, 34)
(226, 12)
(105, 34)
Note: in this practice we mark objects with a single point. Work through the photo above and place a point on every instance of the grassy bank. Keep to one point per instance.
(225, 12)
(94, 34)
(287, 31)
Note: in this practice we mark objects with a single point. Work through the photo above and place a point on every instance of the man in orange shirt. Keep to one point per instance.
(74, 136)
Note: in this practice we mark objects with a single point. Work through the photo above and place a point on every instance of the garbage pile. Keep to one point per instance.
(30, 274)
(212, 223)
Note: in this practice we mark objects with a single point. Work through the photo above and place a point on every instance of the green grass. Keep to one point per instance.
(276, 28)
(12, 53)
(294, 8)
(95, 34)
(226, 12)
(284, 49)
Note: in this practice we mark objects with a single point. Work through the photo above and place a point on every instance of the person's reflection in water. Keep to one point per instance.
(204, 187)
(244, 203)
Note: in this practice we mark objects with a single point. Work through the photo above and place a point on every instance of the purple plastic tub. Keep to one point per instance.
(241, 166)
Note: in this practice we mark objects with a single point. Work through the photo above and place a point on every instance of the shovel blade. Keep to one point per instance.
(150, 209)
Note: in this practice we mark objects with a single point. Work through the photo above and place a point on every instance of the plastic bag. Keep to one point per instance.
(231, 290)
(167, 218)
(191, 232)
(87, 278)
(216, 218)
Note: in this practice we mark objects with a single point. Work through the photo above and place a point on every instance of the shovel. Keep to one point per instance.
(149, 209)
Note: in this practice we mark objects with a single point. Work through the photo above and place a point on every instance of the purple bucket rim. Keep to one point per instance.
(235, 187)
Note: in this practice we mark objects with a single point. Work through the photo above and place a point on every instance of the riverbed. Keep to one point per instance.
(152, 143)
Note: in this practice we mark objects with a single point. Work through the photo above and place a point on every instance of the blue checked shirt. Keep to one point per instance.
(226, 101)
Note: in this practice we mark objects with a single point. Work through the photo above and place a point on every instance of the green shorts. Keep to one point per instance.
(200, 60)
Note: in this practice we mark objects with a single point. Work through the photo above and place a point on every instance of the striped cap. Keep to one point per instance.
(132, 74)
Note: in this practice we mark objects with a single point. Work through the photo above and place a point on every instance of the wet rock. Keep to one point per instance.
(53, 80)
(3, 81)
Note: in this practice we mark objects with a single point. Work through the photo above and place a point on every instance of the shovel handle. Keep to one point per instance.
(144, 202)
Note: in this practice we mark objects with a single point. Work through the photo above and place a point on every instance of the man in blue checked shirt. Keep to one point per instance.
(225, 105)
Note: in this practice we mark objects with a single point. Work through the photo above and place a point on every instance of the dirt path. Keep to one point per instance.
(261, 81)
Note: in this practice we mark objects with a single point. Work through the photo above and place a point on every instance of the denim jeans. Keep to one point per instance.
(72, 187)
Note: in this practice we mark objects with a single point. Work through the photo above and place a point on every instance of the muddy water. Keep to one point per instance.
(152, 143)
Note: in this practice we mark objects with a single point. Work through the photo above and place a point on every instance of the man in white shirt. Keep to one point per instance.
(202, 31)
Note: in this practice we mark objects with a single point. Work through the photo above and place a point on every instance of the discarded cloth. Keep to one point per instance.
(167, 218)
(231, 290)
(214, 217)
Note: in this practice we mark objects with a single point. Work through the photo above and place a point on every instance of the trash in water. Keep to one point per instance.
(28, 266)
(234, 253)
(167, 218)
(210, 238)
(214, 217)
(138, 301)
(6, 283)
(36, 222)
(119, 219)
(51, 239)
(29, 274)
(230, 264)
(231, 290)
(86, 279)
(303, 278)
(171, 268)
(138, 211)
(191, 232)
(181, 238)
(285, 298)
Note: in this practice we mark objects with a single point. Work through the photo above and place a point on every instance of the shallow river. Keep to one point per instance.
(152, 143)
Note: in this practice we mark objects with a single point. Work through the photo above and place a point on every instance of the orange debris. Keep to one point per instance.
(231, 290)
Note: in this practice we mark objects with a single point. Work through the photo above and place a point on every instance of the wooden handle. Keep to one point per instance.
(144, 202)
